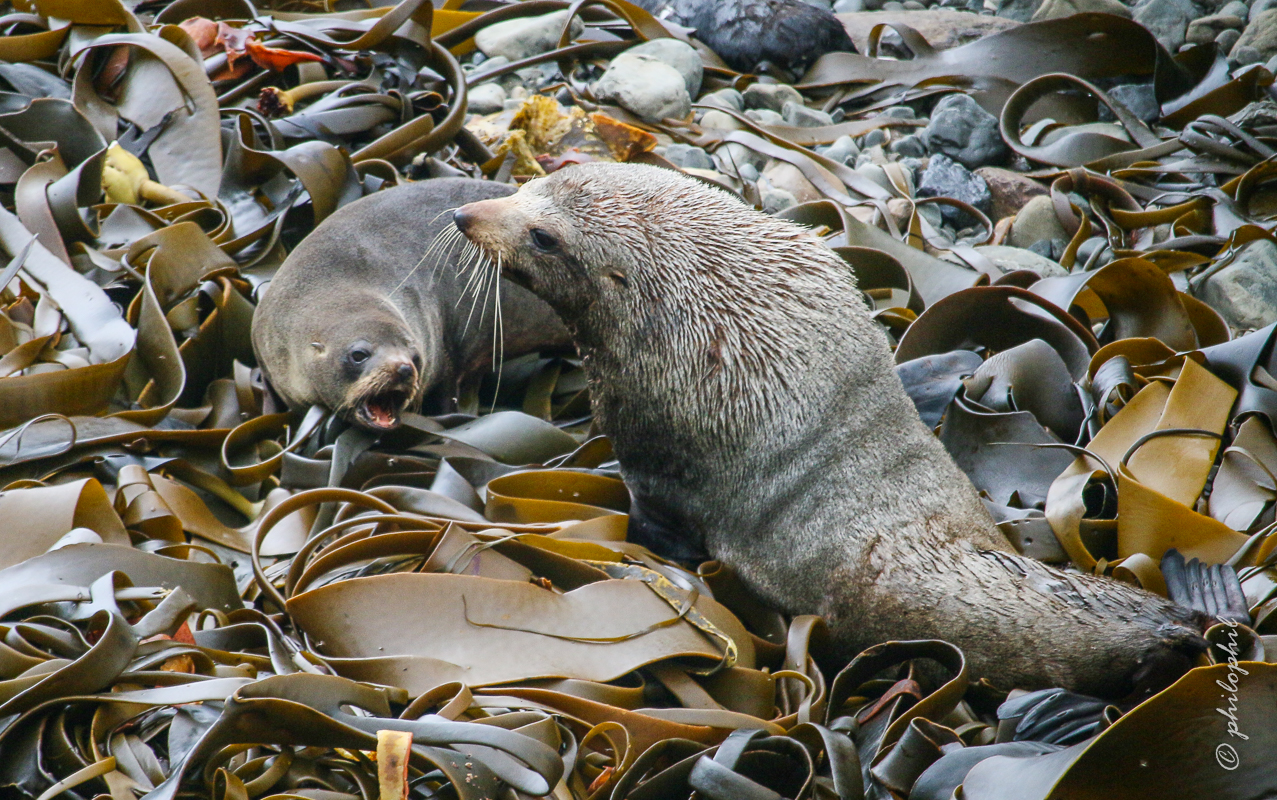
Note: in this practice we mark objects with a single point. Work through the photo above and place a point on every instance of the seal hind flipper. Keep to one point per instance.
(1214, 590)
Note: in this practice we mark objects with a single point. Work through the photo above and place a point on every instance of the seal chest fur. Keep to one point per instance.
(370, 314)
(753, 407)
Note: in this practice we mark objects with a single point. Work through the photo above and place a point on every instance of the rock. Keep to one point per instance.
(1138, 98)
(1260, 34)
(1054, 9)
(1204, 29)
(770, 96)
(1236, 8)
(748, 173)
(1018, 10)
(909, 145)
(720, 120)
(912, 5)
(733, 156)
(1036, 222)
(765, 116)
(679, 55)
(876, 174)
(945, 177)
(526, 36)
(843, 150)
(874, 138)
(1245, 291)
(825, 4)
(1243, 55)
(728, 99)
(965, 132)
(486, 98)
(848, 6)
(900, 112)
(772, 199)
(1009, 259)
(1050, 248)
(650, 88)
(1258, 7)
(900, 210)
(787, 177)
(1226, 39)
(1261, 113)
(942, 28)
(800, 116)
(1010, 190)
(1167, 20)
(688, 157)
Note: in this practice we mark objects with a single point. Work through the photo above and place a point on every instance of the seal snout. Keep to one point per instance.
(463, 217)
(383, 392)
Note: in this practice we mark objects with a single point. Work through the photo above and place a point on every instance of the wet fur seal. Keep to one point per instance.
(753, 406)
(367, 318)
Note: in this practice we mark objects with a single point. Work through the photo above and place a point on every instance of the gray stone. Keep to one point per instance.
(941, 27)
(1260, 34)
(773, 200)
(748, 173)
(688, 157)
(1009, 259)
(1055, 9)
(650, 88)
(1226, 39)
(1258, 7)
(800, 116)
(899, 112)
(826, 5)
(1035, 222)
(849, 6)
(945, 177)
(1245, 291)
(728, 99)
(1049, 248)
(720, 120)
(1236, 8)
(843, 150)
(874, 138)
(526, 36)
(1243, 55)
(1018, 10)
(913, 5)
(965, 132)
(679, 55)
(1271, 66)
(909, 145)
(765, 116)
(1167, 20)
(486, 98)
(733, 157)
(876, 174)
(1138, 98)
(1203, 30)
(771, 96)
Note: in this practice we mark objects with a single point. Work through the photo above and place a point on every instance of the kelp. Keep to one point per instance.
(206, 594)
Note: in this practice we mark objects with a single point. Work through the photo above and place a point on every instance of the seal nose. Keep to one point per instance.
(405, 370)
(463, 218)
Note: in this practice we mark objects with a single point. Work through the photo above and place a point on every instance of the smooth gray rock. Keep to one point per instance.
(874, 138)
(1204, 29)
(1243, 55)
(728, 99)
(1258, 7)
(945, 177)
(734, 157)
(525, 37)
(688, 157)
(800, 116)
(850, 6)
(1260, 34)
(772, 199)
(1226, 39)
(900, 112)
(486, 98)
(843, 150)
(650, 88)
(770, 96)
(965, 132)
(765, 116)
(679, 55)
(1009, 259)
(1235, 8)
(1018, 10)
(909, 146)
(1167, 20)
(1245, 291)
(1036, 222)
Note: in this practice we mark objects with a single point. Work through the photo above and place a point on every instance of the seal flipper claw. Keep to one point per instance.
(1213, 590)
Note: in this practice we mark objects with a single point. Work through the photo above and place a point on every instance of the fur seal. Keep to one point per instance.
(752, 404)
(744, 33)
(366, 318)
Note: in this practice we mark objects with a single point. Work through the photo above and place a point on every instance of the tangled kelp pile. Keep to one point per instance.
(204, 594)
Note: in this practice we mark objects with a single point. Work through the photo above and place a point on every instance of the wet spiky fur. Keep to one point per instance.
(753, 406)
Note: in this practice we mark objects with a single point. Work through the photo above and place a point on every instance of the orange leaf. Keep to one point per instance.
(204, 32)
(274, 58)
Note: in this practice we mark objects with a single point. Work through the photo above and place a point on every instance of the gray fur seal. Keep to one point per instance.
(752, 404)
(366, 318)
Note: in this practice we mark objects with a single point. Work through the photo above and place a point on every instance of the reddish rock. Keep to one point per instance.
(1010, 190)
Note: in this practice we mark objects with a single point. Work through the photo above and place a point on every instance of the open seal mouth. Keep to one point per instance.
(381, 411)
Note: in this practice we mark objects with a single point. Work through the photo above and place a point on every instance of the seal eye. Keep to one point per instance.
(359, 355)
(542, 240)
